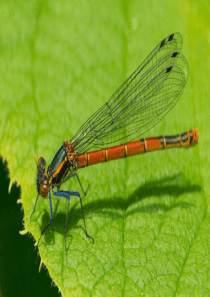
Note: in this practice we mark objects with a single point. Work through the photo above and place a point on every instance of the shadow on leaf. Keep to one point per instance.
(172, 186)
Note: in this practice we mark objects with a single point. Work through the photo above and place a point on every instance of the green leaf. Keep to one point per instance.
(149, 215)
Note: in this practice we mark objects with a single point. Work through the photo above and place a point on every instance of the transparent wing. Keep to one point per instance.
(141, 101)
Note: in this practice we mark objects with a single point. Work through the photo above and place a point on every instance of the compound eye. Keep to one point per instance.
(44, 190)
(41, 164)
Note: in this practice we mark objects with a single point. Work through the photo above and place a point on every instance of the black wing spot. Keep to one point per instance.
(169, 69)
(171, 37)
(162, 42)
(174, 54)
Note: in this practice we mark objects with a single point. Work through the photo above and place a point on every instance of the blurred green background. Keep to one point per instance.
(149, 215)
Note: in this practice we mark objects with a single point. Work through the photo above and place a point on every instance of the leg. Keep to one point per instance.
(34, 206)
(67, 195)
(84, 192)
(73, 174)
(51, 217)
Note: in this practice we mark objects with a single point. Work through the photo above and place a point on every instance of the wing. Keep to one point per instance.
(141, 101)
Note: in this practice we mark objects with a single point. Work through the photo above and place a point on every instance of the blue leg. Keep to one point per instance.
(51, 217)
(67, 194)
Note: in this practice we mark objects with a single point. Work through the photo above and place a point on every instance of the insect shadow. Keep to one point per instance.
(117, 207)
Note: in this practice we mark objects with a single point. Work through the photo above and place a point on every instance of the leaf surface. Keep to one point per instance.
(149, 215)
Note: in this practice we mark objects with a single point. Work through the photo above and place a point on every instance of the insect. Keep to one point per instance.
(139, 104)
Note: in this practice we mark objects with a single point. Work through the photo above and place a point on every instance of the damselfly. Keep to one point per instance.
(139, 104)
